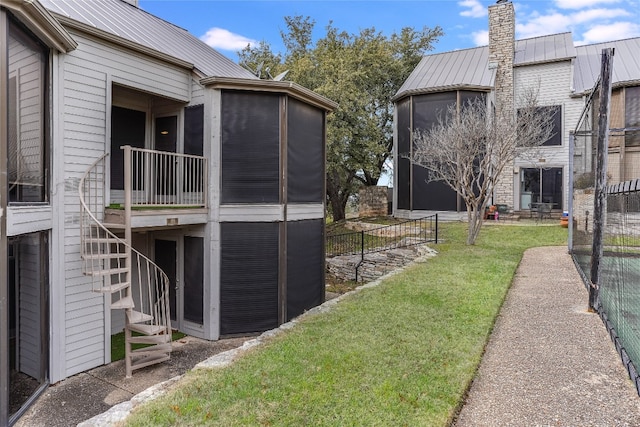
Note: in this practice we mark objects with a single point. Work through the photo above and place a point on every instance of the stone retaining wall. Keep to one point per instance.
(376, 264)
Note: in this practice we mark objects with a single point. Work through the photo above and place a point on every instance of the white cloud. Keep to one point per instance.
(593, 14)
(615, 31)
(543, 24)
(219, 38)
(553, 22)
(475, 9)
(581, 4)
(480, 38)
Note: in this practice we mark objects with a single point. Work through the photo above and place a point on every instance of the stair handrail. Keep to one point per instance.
(161, 304)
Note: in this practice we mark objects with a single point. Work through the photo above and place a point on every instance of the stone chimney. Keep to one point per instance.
(502, 24)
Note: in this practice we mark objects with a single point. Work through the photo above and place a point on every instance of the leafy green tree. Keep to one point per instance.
(361, 72)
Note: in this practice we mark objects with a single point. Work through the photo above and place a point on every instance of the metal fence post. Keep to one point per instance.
(436, 228)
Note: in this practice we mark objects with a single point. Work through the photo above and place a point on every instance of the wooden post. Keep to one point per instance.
(600, 195)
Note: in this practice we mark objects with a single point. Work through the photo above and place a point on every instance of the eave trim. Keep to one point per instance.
(42, 23)
(293, 89)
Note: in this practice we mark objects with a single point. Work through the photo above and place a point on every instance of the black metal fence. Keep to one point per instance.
(382, 238)
(618, 296)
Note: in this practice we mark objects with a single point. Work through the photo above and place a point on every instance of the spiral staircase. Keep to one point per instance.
(132, 281)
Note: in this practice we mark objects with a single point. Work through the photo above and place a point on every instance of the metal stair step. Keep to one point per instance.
(138, 317)
(149, 360)
(114, 287)
(150, 339)
(104, 256)
(100, 240)
(124, 302)
(147, 329)
(157, 348)
(113, 225)
(107, 271)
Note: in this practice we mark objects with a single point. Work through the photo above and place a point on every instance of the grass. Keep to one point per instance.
(117, 344)
(403, 353)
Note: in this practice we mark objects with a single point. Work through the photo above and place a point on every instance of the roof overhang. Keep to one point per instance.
(543, 61)
(615, 85)
(290, 88)
(42, 23)
(424, 91)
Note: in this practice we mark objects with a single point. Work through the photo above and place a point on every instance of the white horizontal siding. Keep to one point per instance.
(28, 219)
(554, 81)
(134, 70)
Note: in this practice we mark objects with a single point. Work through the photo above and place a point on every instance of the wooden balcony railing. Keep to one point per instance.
(164, 179)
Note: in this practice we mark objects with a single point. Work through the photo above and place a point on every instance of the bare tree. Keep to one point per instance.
(472, 144)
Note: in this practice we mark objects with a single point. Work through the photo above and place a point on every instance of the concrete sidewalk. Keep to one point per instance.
(549, 362)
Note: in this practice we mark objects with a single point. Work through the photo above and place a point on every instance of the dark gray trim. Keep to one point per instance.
(282, 258)
(4, 308)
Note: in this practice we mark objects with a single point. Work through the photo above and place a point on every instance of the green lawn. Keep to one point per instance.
(403, 353)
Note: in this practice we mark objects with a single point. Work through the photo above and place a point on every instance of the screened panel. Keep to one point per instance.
(431, 195)
(250, 147)
(28, 317)
(248, 277)
(305, 266)
(403, 109)
(194, 130)
(556, 138)
(27, 163)
(305, 153)
(467, 97)
(428, 108)
(632, 115)
(193, 279)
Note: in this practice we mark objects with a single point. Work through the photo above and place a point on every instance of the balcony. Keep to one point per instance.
(161, 189)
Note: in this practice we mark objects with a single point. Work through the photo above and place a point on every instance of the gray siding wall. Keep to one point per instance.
(88, 75)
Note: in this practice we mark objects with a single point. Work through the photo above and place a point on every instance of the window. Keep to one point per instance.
(556, 138)
(27, 113)
(555, 112)
(632, 115)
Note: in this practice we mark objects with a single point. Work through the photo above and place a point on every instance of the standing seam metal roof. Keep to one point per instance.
(470, 67)
(626, 64)
(124, 20)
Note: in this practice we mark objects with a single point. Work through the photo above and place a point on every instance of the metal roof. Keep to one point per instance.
(469, 68)
(121, 19)
(459, 68)
(551, 48)
(626, 64)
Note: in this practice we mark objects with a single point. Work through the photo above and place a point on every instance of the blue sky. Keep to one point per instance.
(230, 25)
